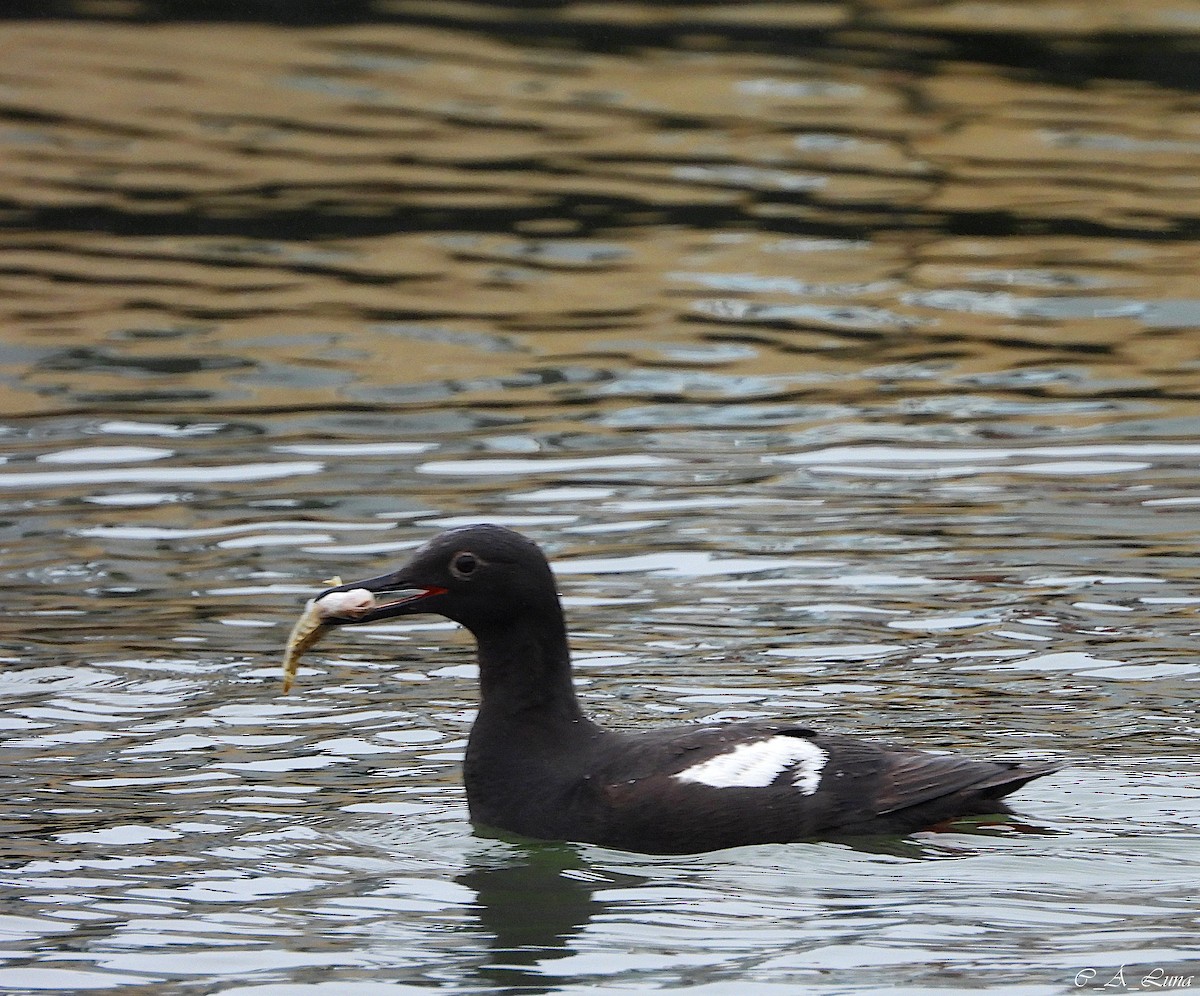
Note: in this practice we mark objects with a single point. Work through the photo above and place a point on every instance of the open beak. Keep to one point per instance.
(393, 596)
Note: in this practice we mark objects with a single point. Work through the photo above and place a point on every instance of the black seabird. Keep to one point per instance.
(537, 766)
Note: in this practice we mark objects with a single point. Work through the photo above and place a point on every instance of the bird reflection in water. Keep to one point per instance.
(533, 899)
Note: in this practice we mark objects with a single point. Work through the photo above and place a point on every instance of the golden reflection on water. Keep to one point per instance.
(413, 136)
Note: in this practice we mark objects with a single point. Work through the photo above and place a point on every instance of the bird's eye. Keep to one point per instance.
(463, 565)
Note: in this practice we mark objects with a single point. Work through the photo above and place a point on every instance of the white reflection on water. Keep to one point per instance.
(160, 475)
(544, 465)
(106, 454)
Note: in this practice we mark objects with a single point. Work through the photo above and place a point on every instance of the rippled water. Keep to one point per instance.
(843, 357)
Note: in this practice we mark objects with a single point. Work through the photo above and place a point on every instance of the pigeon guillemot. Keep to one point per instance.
(537, 766)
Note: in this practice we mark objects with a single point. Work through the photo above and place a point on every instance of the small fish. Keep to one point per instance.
(311, 625)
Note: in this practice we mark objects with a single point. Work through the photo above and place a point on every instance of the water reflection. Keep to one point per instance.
(532, 902)
(535, 899)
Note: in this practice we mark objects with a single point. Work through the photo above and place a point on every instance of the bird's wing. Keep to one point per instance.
(743, 783)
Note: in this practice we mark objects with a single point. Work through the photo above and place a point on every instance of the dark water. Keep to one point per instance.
(844, 358)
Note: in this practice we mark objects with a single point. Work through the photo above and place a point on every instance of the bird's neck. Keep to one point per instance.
(525, 671)
(530, 740)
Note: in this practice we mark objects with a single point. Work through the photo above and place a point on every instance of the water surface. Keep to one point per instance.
(843, 358)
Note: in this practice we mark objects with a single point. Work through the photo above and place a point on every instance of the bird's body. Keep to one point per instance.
(680, 791)
(537, 766)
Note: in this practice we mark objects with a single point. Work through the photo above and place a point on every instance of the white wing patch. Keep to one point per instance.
(758, 764)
